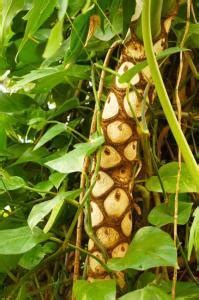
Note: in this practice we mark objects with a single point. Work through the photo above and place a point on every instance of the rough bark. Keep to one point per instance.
(111, 198)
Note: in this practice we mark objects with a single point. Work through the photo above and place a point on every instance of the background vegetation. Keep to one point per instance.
(51, 56)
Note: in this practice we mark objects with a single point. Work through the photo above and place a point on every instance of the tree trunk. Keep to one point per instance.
(111, 198)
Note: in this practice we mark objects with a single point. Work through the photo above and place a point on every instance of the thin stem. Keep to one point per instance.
(192, 66)
(178, 102)
(97, 103)
(91, 255)
(163, 96)
(81, 205)
(12, 276)
(106, 69)
(187, 264)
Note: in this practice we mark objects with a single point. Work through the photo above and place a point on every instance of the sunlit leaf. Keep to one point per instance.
(20, 240)
(150, 247)
(40, 210)
(164, 213)
(55, 39)
(50, 134)
(56, 179)
(78, 36)
(168, 174)
(38, 14)
(53, 216)
(194, 235)
(73, 160)
(43, 186)
(128, 75)
(45, 79)
(11, 183)
(97, 290)
(9, 10)
(148, 293)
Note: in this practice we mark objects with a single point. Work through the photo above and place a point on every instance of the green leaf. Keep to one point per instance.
(63, 5)
(168, 174)
(151, 247)
(73, 160)
(66, 106)
(164, 213)
(53, 216)
(97, 290)
(39, 211)
(148, 293)
(3, 139)
(187, 291)
(128, 75)
(104, 35)
(9, 11)
(9, 183)
(22, 294)
(20, 240)
(15, 104)
(8, 262)
(193, 35)
(43, 187)
(78, 36)
(54, 40)
(144, 279)
(43, 80)
(38, 14)
(34, 256)
(75, 5)
(194, 235)
(128, 9)
(56, 179)
(33, 156)
(50, 134)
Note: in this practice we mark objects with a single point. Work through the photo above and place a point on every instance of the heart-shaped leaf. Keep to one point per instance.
(151, 247)
(20, 240)
(73, 160)
(97, 290)
(164, 213)
(168, 174)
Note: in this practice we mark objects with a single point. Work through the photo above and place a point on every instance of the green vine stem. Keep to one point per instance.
(163, 96)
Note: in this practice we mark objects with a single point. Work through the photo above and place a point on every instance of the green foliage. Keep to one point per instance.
(149, 293)
(73, 161)
(37, 15)
(150, 247)
(47, 50)
(9, 10)
(20, 240)
(194, 235)
(128, 75)
(50, 134)
(39, 211)
(33, 257)
(96, 290)
(168, 175)
(164, 213)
